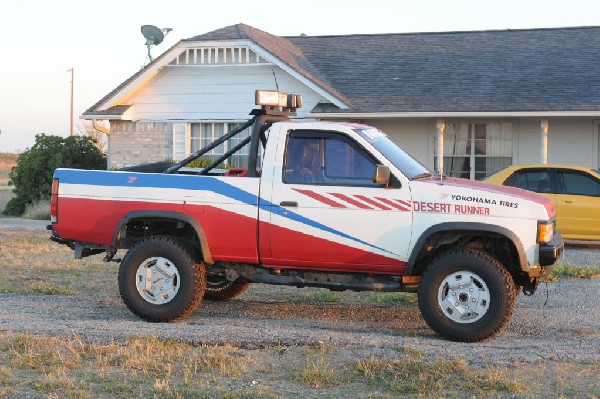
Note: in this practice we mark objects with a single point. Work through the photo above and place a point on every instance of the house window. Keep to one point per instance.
(475, 150)
(203, 134)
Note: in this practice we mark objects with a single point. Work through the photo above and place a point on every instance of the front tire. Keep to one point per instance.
(466, 295)
(160, 281)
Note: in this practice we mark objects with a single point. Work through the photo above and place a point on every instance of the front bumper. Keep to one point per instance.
(550, 252)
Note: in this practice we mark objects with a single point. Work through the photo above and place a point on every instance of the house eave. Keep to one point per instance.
(104, 117)
(484, 114)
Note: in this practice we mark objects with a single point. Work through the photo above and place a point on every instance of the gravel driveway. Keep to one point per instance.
(561, 322)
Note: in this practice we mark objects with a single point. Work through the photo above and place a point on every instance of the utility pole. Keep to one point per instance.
(72, 70)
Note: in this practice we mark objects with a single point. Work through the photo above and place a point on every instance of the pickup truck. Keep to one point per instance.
(320, 204)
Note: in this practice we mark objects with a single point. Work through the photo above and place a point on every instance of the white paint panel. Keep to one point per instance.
(198, 93)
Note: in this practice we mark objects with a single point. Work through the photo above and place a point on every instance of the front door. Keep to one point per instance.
(578, 204)
(327, 213)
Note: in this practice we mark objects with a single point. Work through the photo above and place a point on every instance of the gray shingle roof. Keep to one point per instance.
(486, 71)
(480, 71)
(115, 110)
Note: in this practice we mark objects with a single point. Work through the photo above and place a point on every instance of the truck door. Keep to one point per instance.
(325, 211)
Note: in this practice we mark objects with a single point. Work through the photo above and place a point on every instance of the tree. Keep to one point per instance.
(32, 176)
(87, 129)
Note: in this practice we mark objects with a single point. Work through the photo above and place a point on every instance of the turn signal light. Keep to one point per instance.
(545, 231)
(54, 202)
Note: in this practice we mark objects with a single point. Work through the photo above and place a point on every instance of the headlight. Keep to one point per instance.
(545, 231)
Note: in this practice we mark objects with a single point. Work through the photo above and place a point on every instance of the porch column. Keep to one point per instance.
(441, 127)
(544, 136)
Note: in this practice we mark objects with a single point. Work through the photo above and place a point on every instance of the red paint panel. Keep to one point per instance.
(373, 202)
(320, 198)
(350, 200)
(295, 249)
(231, 237)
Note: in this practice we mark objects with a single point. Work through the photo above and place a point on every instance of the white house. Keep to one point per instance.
(490, 98)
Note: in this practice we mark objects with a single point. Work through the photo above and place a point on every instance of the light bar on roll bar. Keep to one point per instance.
(274, 100)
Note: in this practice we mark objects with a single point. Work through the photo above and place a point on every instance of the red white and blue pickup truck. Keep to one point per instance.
(320, 204)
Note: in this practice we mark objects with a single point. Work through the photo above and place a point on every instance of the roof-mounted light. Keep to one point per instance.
(271, 99)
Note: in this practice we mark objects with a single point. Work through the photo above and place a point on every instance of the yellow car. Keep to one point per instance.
(574, 190)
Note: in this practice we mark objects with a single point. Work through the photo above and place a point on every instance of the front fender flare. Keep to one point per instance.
(468, 226)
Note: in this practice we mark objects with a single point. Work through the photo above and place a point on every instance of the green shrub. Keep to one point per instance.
(32, 176)
(203, 162)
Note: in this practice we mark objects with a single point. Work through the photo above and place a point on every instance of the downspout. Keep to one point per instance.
(106, 131)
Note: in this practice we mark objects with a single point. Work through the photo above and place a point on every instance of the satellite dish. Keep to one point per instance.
(154, 36)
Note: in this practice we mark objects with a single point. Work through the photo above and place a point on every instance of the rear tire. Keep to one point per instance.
(159, 280)
(466, 295)
(218, 288)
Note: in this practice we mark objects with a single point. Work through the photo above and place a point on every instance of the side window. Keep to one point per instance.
(538, 181)
(577, 184)
(344, 163)
(327, 159)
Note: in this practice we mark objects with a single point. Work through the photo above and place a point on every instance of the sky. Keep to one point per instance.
(42, 40)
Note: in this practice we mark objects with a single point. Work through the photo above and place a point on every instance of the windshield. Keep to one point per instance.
(409, 166)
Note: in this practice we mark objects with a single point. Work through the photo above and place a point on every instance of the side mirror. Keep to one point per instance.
(382, 175)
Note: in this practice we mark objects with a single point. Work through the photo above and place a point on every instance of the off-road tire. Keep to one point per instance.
(473, 262)
(218, 288)
(190, 287)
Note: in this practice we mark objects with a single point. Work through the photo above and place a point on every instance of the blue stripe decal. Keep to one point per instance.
(155, 180)
(207, 183)
(286, 213)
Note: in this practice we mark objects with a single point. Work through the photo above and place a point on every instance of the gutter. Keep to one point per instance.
(99, 127)
(504, 114)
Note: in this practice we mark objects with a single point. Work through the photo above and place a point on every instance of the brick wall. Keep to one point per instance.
(132, 143)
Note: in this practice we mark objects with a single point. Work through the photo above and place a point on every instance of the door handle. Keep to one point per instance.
(568, 202)
(289, 203)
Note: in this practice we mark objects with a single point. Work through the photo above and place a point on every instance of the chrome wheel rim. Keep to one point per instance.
(464, 297)
(157, 280)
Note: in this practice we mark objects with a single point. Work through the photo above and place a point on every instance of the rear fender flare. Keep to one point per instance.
(175, 216)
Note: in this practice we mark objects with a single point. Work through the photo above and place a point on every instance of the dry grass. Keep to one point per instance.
(38, 211)
(33, 365)
(144, 366)
(32, 264)
(436, 377)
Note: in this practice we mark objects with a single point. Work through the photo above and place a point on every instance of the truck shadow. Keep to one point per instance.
(396, 319)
